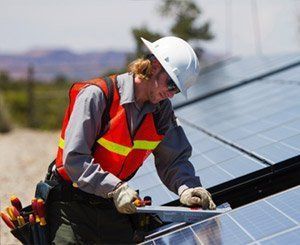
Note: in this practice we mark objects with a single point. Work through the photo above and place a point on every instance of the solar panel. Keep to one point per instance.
(290, 75)
(271, 220)
(233, 134)
(235, 72)
(261, 118)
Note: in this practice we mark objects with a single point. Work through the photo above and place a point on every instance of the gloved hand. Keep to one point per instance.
(197, 197)
(123, 197)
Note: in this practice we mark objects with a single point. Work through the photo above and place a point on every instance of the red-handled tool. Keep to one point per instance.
(16, 203)
(15, 211)
(31, 219)
(141, 203)
(7, 221)
(41, 211)
(11, 215)
(34, 208)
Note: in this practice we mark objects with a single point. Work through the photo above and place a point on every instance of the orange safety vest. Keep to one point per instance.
(116, 151)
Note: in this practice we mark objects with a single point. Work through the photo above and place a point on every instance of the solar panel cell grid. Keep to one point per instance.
(261, 219)
(221, 230)
(293, 142)
(235, 72)
(185, 236)
(291, 237)
(241, 165)
(213, 176)
(288, 203)
(277, 152)
(273, 220)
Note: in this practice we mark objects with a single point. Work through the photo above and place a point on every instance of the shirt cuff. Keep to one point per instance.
(182, 188)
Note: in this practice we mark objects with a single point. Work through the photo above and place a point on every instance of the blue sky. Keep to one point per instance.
(105, 24)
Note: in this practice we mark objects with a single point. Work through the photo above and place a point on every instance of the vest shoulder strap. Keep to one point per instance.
(109, 100)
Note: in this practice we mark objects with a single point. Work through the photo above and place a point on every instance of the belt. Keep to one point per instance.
(65, 192)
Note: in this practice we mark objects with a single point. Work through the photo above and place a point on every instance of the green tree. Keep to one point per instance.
(60, 80)
(4, 76)
(186, 14)
(5, 122)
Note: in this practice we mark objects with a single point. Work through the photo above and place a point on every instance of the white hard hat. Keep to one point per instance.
(178, 59)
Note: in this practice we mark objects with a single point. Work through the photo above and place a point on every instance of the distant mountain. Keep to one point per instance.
(49, 64)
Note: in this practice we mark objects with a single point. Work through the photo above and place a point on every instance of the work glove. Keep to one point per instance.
(124, 197)
(197, 197)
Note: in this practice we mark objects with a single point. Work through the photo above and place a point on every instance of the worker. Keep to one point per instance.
(110, 128)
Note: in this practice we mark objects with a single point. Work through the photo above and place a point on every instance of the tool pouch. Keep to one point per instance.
(24, 233)
(34, 233)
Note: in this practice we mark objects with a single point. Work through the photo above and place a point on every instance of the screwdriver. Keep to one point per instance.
(21, 220)
(41, 211)
(7, 221)
(141, 203)
(31, 219)
(16, 202)
(34, 208)
(11, 215)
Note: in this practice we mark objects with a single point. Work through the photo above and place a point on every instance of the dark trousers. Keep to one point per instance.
(77, 222)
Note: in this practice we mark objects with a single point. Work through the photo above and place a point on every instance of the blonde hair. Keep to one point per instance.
(141, 68)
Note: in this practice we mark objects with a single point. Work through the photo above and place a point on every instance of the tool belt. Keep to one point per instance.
(66, 192)
(33, 229)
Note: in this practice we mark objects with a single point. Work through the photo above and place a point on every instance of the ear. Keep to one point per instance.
(156, 67)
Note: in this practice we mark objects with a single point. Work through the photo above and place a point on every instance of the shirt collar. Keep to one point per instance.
(125, 85)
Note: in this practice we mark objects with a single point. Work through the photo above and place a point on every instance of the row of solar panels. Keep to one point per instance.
(240, 131)
(273, 220)
(235, 72)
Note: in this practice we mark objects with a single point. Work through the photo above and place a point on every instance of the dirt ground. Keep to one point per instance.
(24, 157)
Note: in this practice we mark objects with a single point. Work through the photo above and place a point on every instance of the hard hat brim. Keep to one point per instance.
(165, 65)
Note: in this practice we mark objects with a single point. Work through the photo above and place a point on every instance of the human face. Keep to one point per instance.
(162, 87)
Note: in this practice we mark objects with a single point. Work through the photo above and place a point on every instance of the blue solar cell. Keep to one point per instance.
(293, 141)
(221, 154)
(236, 134)
(206, 144)
(261, 220)
(288, 203)
(200, 162)
(221, 127)
(241, 165)
(279, 133)
(281, 117)
(254, 142)
(213, 176)
(294, 124)
(185, 236)
(221, 230)
(258, 126)
(277, 152)
(291, 237)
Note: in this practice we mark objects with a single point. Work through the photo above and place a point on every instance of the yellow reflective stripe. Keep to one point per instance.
(114, 147)
(124, 150)
(61, 143)
(145, 145)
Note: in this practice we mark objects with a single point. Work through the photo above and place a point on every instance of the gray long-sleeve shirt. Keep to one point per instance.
(171, 155)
